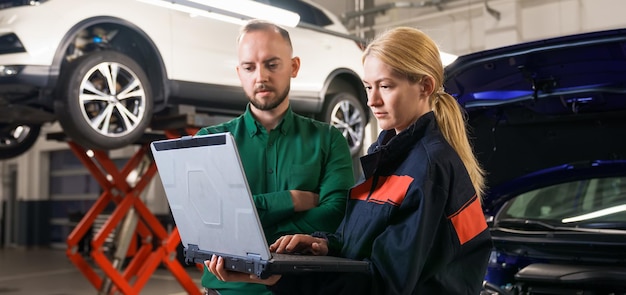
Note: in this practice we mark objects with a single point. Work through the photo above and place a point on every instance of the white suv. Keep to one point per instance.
(107, 69)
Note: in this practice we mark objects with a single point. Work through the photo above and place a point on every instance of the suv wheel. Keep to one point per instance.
(344, 111)
(105, 100)
(15, 140)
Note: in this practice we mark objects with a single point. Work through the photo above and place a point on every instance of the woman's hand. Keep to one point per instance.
(298, 243)
(216, 267)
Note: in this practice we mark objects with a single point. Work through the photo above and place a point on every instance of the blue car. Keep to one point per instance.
(548, 124)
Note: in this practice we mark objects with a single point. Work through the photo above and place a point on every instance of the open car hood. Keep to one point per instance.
(544, 106)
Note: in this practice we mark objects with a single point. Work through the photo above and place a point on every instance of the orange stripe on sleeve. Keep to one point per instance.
(469, 222)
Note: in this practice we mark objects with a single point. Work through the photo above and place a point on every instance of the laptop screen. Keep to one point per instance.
(208, 194)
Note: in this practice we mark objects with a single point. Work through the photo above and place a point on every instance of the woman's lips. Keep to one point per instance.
(379, 114)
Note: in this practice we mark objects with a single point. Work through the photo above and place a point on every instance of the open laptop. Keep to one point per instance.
(214, 212)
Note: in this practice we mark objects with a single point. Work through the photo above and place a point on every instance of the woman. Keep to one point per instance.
(416, 216)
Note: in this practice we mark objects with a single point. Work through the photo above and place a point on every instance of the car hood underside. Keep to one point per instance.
(546, 103)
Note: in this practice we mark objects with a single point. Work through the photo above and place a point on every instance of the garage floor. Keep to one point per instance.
(49, 272)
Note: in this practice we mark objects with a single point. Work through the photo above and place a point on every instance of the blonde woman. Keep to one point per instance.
(416, 215)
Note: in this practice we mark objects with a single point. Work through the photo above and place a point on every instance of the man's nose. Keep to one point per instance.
(261, 74)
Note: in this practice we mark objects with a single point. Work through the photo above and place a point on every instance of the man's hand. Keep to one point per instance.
(303, 200)
(216, 267)
(300, 244)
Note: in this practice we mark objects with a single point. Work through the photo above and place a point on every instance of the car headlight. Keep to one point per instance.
(9, 71)
(14, 3)
(10, 43)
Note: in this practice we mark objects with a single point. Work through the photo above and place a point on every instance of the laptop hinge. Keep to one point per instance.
(192, 254)
(254, 256)
(255, 265)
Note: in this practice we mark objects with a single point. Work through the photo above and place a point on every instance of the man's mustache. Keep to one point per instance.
(262, 87)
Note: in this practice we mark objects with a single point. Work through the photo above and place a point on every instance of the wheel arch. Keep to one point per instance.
(130, 40)
(345, 80)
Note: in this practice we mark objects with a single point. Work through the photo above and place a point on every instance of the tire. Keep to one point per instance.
(92, 113)
(17, 139)
(344, 111)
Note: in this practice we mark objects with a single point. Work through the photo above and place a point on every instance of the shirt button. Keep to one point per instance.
(270, 171)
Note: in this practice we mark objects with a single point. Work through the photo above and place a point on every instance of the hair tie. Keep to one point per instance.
(436, 100)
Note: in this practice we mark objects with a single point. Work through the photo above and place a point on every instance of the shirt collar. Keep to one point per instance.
(391, 146)
(255, 127)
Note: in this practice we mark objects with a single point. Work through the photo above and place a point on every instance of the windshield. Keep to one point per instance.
(597, 202)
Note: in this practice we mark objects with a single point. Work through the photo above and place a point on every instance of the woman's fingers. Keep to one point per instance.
(300, 243)
(319, 247)
(280, 246)
(276, 244)
(295, 244)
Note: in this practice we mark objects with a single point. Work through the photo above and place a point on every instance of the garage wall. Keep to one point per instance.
(465, 26)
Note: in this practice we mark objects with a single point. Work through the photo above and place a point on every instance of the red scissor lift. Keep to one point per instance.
(143, 239)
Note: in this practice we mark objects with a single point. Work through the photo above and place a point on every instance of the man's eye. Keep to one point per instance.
(368, 88)
(248, 69)
(272, 66)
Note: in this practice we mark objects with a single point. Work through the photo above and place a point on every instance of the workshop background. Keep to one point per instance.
(36, 215)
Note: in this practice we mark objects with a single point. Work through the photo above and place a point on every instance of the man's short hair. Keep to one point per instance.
(262, 25)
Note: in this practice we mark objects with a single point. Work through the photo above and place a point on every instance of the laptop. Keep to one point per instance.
(207, 191)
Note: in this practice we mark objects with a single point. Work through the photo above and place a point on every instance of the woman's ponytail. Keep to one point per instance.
(452, 121)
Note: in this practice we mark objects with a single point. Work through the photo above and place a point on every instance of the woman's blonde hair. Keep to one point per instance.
(415, 55)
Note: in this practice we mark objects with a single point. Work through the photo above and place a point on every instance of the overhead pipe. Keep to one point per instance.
(387, 6)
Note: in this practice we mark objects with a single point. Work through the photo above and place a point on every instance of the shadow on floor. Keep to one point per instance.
(50, 272)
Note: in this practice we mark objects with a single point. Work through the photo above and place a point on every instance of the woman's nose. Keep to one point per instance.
(373, 98)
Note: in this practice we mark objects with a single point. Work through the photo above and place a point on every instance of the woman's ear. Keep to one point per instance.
(428, 85)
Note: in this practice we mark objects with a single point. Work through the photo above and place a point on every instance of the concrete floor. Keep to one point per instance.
(49, 272)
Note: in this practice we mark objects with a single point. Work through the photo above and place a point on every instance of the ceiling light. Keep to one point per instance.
(253, 9)
(193, 12)
(233, 11)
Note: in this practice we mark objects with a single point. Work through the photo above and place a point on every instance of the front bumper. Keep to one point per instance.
(24, 94)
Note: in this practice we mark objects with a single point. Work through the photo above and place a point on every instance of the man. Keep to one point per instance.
(299, 170)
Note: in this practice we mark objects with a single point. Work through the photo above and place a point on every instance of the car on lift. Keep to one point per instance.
(548, 121)
(106, 70)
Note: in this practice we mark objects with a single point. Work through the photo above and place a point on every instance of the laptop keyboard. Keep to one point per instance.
(301, 257)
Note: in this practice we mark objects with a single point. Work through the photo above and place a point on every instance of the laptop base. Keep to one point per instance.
(250, 265)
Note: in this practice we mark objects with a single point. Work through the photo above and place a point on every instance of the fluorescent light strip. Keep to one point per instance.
(596, 214)
(193, 12)
(254, 9)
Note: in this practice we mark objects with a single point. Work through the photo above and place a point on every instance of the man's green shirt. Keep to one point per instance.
(299, 154)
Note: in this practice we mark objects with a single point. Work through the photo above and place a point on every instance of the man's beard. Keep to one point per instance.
(266, 105)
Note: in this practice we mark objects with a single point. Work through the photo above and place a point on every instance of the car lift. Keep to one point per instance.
(134, 219)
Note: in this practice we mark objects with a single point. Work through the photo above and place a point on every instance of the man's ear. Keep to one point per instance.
(238, 70)
(295, 66)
